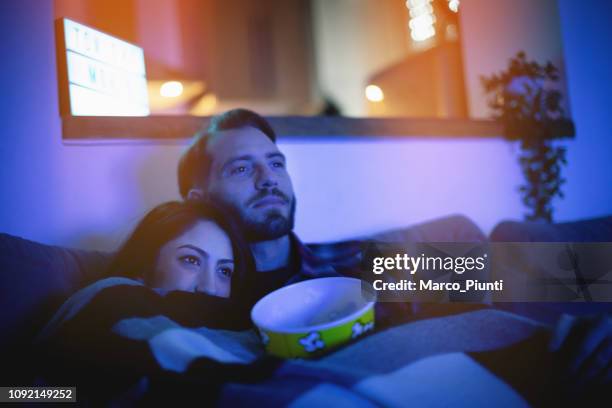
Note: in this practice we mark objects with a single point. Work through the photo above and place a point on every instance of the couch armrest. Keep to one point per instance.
(35, 279)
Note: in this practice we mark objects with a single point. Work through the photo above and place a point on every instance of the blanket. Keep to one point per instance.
(121, 342)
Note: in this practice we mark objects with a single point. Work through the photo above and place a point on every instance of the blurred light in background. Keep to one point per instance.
(205, 106)
(171, 89)
(174, 97)
(453, 5)
(422, 19)
(374, 93)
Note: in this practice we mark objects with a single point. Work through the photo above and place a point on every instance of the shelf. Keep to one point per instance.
(152, 128)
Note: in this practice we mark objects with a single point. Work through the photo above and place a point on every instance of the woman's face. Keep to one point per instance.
(199, 260)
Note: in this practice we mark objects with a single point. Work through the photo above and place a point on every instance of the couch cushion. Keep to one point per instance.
(452, 228)
(35, 279)
(592, 230)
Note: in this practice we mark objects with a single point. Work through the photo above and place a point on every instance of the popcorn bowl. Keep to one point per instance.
(307, 319)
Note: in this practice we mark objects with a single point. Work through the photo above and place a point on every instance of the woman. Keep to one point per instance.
(182, 273)
(184, 260)
(188, 246)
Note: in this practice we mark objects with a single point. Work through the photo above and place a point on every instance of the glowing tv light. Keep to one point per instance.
(99, 75)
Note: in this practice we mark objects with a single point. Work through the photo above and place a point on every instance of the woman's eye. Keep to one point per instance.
(227, 272)
(191, 260)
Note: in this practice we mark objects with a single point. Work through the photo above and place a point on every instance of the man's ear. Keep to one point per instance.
(196, 194)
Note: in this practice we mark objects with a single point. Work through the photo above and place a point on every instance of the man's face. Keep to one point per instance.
(248, 175)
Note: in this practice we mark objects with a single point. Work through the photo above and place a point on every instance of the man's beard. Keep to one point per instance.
(275, 225)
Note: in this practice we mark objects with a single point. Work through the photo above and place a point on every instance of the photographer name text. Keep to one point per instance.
(410, 265)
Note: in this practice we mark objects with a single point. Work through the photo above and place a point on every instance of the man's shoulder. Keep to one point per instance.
(342, 253)
(327, 259)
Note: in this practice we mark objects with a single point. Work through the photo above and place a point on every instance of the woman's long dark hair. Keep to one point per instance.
(137, 257)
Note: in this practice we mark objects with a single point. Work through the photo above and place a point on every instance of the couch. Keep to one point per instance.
(36, 278)
(595, 230)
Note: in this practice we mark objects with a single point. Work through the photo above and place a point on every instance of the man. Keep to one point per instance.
(238, 164)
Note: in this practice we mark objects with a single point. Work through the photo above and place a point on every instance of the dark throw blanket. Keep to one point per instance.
(121, 342)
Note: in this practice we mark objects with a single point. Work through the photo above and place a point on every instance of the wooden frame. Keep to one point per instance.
(62, 68)
(158, 128)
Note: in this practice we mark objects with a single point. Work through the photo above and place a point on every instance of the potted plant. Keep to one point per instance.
(524, 98)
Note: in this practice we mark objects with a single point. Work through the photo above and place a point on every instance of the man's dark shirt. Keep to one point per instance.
(324, 260)
(344, 259)
(268, 281)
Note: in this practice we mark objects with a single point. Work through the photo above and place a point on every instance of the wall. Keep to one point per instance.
(573, 35)
(353, 39)
(494, 31)
(52, 192)
(356, 187)
(427, 84)
(586, 34)
(91, 195)
(162, 40)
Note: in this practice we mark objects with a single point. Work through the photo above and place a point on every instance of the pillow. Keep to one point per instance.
(35, 279)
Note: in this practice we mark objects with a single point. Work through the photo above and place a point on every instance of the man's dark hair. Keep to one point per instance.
(240, 118)
(195, 162)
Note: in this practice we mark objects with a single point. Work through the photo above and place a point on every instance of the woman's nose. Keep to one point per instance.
(206, 283)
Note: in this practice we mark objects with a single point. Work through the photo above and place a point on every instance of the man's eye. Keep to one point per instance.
(278, 165)
(239, 170)
(191, 260)
(226, 272)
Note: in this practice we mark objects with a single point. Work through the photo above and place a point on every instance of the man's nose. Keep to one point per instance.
(265, 178)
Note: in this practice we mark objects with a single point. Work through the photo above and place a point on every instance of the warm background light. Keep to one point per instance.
(205, 106)
(422, 19)
(163, 99)
(171, 89)
(374, 93)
